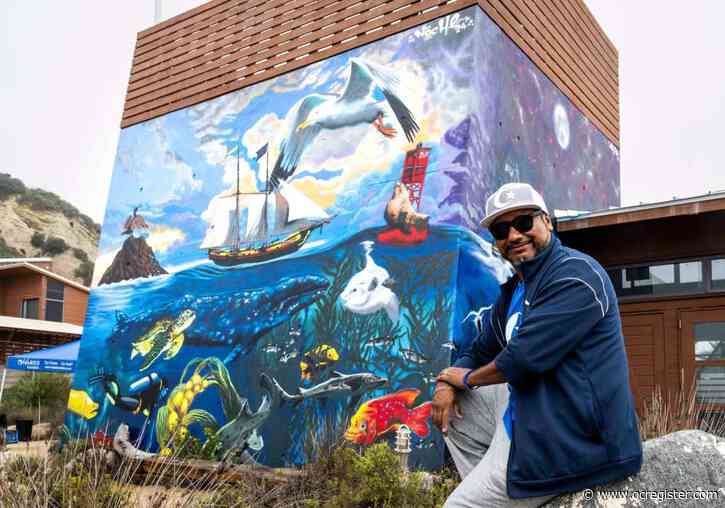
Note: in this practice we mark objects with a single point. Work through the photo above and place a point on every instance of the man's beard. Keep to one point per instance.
(519, 259)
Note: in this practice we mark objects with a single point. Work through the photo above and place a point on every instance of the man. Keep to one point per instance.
(539, 404)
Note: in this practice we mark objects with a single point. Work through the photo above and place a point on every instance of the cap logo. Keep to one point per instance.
(500, 199)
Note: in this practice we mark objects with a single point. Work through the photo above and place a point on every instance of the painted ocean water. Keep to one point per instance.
(260, 319)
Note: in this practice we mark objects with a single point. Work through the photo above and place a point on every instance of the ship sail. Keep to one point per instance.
(222, 223)
(255, 228)
(246, 226)
(295, 211)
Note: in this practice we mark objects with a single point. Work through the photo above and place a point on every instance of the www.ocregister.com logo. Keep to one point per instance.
(654, 495)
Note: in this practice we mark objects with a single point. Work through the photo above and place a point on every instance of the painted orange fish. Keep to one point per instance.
(385, 414)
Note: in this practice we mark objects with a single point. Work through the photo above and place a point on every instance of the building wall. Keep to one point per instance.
(16, 288)
(664, 239)
(386, 288)
(74, 306)
(655, 329)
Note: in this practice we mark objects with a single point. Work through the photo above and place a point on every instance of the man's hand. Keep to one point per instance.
(444, 402)
(453, 376)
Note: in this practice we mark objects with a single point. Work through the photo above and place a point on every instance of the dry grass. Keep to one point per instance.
(80, 477)
(666, 413)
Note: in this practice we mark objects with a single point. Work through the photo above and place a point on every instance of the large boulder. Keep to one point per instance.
(674, 465)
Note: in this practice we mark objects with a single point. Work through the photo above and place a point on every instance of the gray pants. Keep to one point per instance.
(480, 447)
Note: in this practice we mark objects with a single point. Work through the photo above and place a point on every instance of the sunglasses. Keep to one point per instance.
(523, 224)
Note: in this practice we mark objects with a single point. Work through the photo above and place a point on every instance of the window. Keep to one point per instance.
(30, 308)
(666, 279)
(54, 301)
(718, 274)
(710, 362)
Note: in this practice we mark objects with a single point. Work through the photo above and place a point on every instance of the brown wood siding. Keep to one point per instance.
(18, 287)
(649, 241)
(74, 306)
(225, 45)
(664, 358)
(14, 342)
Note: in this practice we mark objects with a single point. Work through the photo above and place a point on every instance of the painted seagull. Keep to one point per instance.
(369, 87)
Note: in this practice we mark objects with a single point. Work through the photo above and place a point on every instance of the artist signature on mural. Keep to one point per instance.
(453, 22)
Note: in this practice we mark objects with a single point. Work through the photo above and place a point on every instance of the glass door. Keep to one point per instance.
(703, 355)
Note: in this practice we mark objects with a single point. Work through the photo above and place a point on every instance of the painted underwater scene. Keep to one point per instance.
(253, 359)
(294, 262)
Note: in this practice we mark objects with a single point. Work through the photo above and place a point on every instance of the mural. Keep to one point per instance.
(296, 261)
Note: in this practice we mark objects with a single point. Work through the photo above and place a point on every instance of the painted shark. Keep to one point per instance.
(241, 432)
(339, 385)
(237, 318)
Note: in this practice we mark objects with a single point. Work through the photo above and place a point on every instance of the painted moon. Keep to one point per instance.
(561, 126)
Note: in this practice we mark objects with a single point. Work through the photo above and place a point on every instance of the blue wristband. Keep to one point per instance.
(465, 380)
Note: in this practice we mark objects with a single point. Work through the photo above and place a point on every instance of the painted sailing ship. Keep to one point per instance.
(249, 227)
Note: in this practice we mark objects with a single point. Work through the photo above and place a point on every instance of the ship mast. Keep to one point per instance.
(266, 198)
(237, 239)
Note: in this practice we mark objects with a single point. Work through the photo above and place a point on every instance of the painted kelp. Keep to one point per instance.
(295, 262)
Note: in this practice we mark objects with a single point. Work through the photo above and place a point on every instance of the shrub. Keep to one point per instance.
(10, 186)
(55, 246)
(50, 391)
(38, 240)
(85, 272)
(80, 254)
(7, 251)
(663, 414)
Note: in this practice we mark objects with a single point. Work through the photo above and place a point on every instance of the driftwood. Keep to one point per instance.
(193, 471)
(123, 446)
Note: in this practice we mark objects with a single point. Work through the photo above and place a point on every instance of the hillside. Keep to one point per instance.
(34, 222)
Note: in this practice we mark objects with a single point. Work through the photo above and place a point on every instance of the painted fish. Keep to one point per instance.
(288, 356)
(339, 385)
(80, 403)
(379, 342)
(411, 356)
(367, 291)
(165, 336)
(385, 414)
(317, 361)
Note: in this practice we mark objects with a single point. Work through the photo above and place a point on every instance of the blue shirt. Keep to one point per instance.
(513, 321)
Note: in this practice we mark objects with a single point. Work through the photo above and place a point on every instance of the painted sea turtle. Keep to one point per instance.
(165, 336)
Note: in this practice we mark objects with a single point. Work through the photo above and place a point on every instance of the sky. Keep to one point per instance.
(61, 114)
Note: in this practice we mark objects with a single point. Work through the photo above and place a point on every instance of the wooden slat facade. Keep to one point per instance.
(657, 329)
(225, 45)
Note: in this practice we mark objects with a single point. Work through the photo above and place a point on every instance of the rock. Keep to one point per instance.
(683, 461)
(41, 432)
(135, 259)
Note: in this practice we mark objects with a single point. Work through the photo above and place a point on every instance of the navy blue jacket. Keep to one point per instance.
(575, 424)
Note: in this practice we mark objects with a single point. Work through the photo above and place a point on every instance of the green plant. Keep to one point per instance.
(55, 246)
(38, 240)
(10, 186)
(80, 254)
(85, 272)
(41, 389)
(7, 251)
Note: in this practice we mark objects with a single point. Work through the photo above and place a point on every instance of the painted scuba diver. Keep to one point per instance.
(142, 395)
(165, 336)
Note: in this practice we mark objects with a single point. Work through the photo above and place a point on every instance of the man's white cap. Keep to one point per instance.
(512, 196)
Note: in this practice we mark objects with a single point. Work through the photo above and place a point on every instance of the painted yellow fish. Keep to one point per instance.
(318, 360)
(80, 403)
